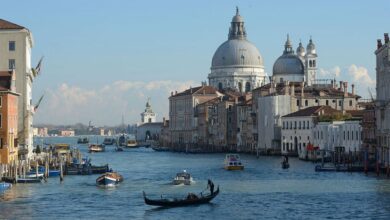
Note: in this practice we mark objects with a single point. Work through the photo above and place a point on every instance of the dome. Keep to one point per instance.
(300, 50)
(288, 64)
(237, 53)
(311, 48)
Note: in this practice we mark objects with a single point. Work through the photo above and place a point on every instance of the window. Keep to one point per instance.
(297, 102)
(352, 135)
(290, 125)
(327, 102)
(247, 87)
(284, 146)
(303, 126)
(11, 64)
(344, 135)
(11, 46)
(314, 63)
(307, 125)
(310, 63)
(348, 135)
(239, 86)
(340, 104)
(306, 103)
(295, 125)
(1, 122)
(299, 125)
(220, 86)
(350, 102)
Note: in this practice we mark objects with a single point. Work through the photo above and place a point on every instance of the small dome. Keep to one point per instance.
(288, 64)
(237, 53)
(300, 50)
(311, 48)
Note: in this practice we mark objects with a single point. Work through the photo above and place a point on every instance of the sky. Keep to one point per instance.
(103, 59)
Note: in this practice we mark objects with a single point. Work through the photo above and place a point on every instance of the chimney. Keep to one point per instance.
(379, 44)
(353, 89)
(302, 89)
(286, 87)
(292, 87)
(386, 38)
(345, 89)
(341, 85)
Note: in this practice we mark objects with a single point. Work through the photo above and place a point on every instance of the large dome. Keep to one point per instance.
(237, 52)
(288, 64)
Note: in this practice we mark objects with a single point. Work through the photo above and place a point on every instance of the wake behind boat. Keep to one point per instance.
(190, 199)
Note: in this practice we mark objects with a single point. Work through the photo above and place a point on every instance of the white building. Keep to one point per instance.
(15, 53)
(237, 63)
(270, 111)
(345, 135)
(383, 97)
(148, 116)
(297, 128)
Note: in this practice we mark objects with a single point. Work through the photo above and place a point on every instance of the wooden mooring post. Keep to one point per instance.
(61, 171)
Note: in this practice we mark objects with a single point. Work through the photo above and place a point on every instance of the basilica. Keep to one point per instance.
(237, 63)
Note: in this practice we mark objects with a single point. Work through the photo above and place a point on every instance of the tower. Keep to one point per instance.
(310, 63)
(148, 116)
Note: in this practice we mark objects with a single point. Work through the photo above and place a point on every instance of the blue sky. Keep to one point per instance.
(104, 58)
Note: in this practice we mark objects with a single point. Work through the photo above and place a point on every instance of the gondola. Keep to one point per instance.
(285, 165)
(190, 200)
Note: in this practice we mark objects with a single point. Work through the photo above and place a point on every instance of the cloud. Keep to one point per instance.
(105, 105)
(354, 74)
(331, 73)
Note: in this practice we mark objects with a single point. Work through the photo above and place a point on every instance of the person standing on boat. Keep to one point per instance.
(210, 185)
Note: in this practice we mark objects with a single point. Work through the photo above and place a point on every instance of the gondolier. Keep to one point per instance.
(210, 185)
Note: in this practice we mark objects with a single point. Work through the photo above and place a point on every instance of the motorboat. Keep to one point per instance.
(183, 178)
(96, 148)
(83, 140)
(233, 162)
(131, 143)
(109, 179)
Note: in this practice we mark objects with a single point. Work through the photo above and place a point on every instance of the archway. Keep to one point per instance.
(148, 135)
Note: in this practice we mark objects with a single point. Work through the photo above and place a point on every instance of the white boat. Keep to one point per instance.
(183, 178)
(131, 143)
(233, 162)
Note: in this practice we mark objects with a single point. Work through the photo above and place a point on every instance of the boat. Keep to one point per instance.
(109, 141)
(96, 148)
(109, 179)
(32, 174)
(191, 199)
(233, 162)
(41, 171)
(183, 178)
(122, 140)
(29, 180)
(285, 165)
(131, 143)
(83, 140)
(5, 186)
(61, 149)
(157, 148)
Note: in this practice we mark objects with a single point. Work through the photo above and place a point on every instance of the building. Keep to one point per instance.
(148, 116)
(8, 118)
(237, 63)
(299, 67)
(16, 43)
(245, 138)
(383, 98)
(182, 123)
(67, 133)
(343, 136)
(297, 135)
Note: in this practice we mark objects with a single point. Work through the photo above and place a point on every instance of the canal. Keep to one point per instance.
(262, 191)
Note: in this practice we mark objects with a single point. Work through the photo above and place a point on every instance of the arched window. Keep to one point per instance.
(220, 86)
(310, 63)
(247, 87)
(239, 86)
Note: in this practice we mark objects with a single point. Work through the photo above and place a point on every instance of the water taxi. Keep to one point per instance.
(233, 162)
(183, 178)
(131, 143)
(109, 179)
(96, 148)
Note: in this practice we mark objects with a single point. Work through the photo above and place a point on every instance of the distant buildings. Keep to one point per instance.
(67, 133)
(8, 118)
(16, 43)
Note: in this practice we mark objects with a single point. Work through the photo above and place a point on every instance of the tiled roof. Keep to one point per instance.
(200, 90)
(313, 111)
(9, 25)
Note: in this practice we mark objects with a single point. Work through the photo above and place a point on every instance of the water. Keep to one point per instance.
(262, 191)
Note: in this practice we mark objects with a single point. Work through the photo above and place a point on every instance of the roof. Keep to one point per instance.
(200, 90)
(356, 113)
(313, 111)
(309, 91)
(9, 25)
